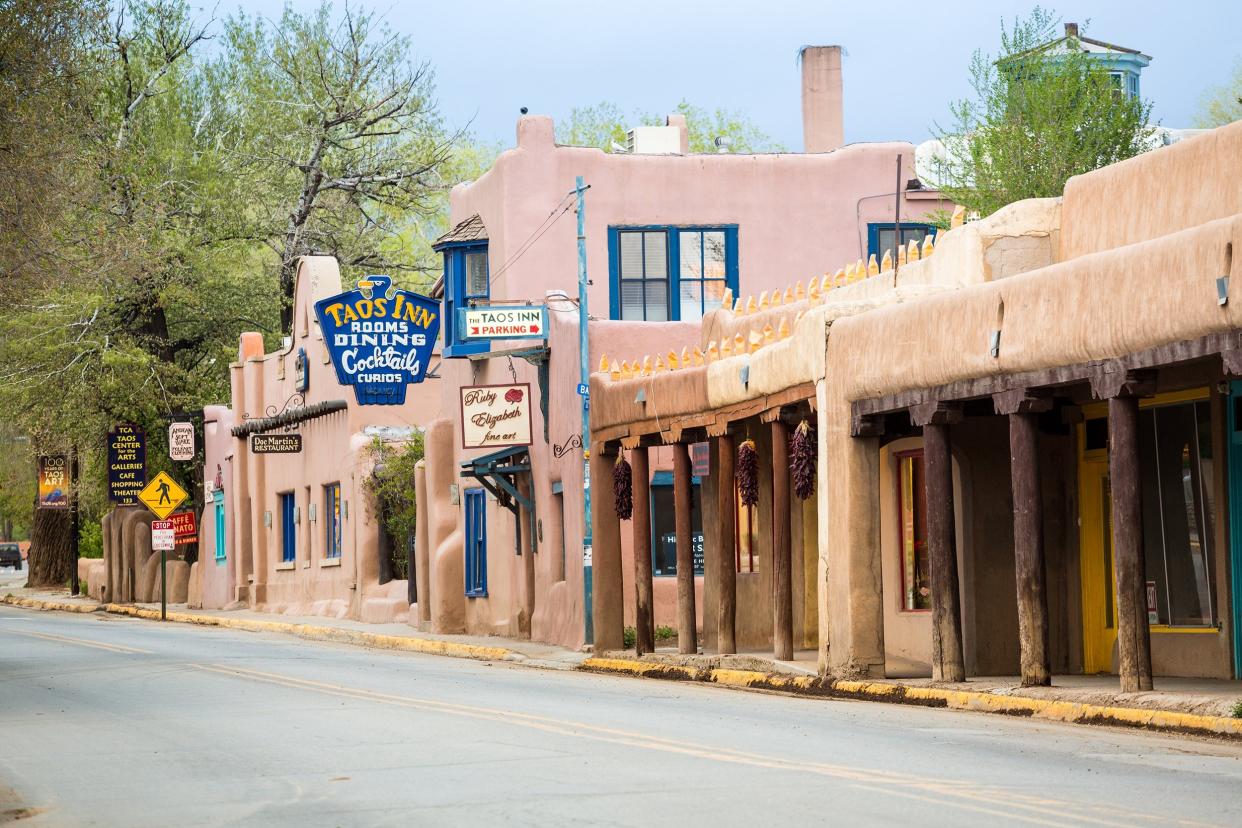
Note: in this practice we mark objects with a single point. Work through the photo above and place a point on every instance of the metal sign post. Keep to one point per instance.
(163, 538)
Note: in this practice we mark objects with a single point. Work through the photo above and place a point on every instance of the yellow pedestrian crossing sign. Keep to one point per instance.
(162, 495)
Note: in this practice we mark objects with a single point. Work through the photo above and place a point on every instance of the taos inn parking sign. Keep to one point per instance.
(504, 323)
(379, 338)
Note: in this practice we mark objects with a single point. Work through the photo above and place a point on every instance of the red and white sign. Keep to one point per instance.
(163, 536)
(185, 527)
(495, 416)
(504, 323)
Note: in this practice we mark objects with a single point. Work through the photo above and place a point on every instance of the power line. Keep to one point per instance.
(544, 226)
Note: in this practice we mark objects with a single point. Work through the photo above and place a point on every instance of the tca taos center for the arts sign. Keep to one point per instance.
(127, 464)
(379, 338)
(495, 416)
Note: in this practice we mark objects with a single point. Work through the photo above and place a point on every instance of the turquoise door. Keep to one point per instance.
(1235, 520)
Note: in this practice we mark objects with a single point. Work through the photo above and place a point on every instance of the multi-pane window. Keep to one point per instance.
(466, 283)
(880, 237)
(671, 273)
(912, 514)
(332, 520)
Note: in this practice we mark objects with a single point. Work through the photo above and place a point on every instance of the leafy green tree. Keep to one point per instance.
(1222, 104)
(337, 133)
(604, 124)
(1042, 112)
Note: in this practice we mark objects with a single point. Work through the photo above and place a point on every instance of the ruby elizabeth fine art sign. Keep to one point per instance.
(495, 416)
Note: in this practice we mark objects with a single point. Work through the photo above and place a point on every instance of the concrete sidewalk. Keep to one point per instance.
(1198, 706)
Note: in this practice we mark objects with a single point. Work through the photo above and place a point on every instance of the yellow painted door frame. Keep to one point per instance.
(1099, 603)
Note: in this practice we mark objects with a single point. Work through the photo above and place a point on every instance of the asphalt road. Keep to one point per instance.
(115, 721)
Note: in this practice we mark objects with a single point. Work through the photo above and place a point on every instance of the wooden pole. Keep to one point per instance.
(1133, 635)
(726, 494)
(1028, 550)
(782, 565)
(607, 608)
(687, 637)
(644, 615)
(526, 545)
(947, 661)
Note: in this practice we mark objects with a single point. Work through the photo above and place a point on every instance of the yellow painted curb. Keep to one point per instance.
(1052, 709)
(36, 603)
(430, 646)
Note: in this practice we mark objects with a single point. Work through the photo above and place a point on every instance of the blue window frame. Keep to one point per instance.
(217, 499)
(880, 236)
(288, 528)
(664, 273)
(664, 525)
(476, 543)
(332, 520)
(466, 282)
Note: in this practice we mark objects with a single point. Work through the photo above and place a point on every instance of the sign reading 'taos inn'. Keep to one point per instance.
(379, 338)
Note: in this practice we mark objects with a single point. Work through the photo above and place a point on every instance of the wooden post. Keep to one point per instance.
(782, 577)
(683, 492)
(526, 545)
(644, 615)
(947, 661)
(607, 604)
(1028, 549)
(1133, 635)
(726, 494)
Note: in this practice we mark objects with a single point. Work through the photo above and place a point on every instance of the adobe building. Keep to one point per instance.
(296, 531)
(668, 235)
(1027, 456)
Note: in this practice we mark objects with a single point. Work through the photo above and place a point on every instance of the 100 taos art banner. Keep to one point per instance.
(495, 416)
(379, 338)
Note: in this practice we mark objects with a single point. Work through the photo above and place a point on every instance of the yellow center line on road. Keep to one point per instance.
(991, 800)
(83, 642)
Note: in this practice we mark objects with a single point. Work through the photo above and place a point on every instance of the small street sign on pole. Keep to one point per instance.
(163, 538)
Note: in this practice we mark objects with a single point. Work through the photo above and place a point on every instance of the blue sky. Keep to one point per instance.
(905, 61)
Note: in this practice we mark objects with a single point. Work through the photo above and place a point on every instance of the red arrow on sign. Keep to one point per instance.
(474, 329)
(534, 329)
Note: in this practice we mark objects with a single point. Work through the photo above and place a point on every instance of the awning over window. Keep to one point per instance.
(498, 472)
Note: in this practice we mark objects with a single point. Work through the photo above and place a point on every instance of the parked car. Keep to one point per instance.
(10, 555)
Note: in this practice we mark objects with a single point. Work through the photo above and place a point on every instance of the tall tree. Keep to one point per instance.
(1222, 104)
(604, 124)
(339, 132)
(1043, 111)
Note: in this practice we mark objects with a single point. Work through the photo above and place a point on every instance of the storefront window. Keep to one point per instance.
(915, 572)
(1179, 512)
(664, 526)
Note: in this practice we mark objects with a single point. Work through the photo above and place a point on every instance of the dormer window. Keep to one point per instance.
(467, 281)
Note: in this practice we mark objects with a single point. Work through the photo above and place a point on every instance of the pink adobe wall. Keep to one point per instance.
(335, 450)
(798, 216)
(217, 578)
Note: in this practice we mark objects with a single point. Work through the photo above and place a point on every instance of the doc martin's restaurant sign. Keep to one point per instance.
(379, 338)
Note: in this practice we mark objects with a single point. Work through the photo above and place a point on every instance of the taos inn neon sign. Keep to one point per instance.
(379, 338)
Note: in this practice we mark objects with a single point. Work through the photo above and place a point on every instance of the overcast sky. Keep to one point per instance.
(904, 63)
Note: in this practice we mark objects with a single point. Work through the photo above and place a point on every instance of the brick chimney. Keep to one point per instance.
(823, 119)
(1071, 30)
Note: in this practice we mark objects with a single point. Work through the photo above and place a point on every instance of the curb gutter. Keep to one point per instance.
(381, 641)
(812, 686)
(1052, 709)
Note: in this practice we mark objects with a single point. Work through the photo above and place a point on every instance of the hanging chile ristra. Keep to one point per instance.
(623, 488)
(748, 473)
(802, 460)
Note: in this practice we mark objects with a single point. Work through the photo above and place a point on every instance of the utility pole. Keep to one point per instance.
(584, 378)
(74, 499)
